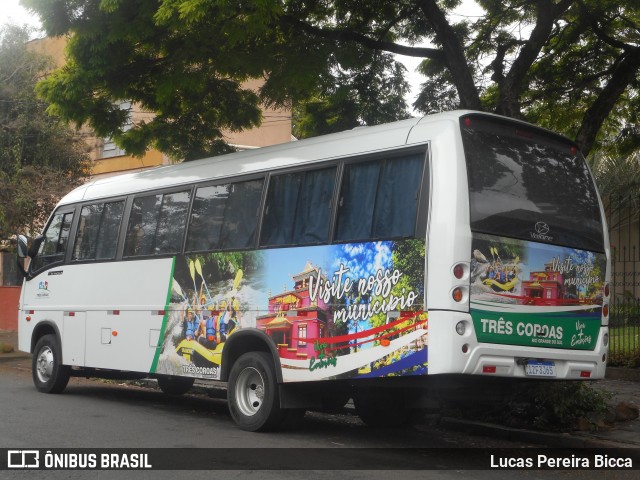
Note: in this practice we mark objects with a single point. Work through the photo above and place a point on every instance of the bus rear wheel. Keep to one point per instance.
(49, 375)
(253, 396)
(175, 385)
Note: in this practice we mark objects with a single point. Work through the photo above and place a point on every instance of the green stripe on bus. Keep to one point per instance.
(571, 330)
(165, 319)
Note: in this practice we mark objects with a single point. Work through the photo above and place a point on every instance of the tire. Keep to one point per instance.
(175, 385)
(384, 408)
(48, 372)
(254, 399)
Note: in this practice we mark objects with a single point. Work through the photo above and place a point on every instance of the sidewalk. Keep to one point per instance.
(624, 384)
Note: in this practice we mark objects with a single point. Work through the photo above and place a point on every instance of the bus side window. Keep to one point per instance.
(224, 217)
(98, 228)
(143, 222)
(379, 199)
(157, 224)
(298, 208)
(172, 222)
(54, 245)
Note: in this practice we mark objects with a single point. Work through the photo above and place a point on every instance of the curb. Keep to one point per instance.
(555, 440)
(8, 357)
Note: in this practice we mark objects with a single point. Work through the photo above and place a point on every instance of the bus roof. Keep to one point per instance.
(338, 145)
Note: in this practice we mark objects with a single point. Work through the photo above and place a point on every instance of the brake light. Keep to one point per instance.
(489, 369)
(458, 271)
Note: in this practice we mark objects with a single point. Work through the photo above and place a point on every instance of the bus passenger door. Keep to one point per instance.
(73, 338)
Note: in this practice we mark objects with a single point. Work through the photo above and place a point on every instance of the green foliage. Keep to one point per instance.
(617, 176)
(556, 405)
(41, 159)
(224, 265)
(370, 96)
(570, 65)
(542, 405)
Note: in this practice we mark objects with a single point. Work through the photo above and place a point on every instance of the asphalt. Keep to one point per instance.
(622, 383)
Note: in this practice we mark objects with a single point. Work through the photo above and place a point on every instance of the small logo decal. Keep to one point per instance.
(542, 228)
(43, 289)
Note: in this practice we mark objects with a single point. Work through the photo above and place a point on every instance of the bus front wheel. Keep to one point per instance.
(49, 375)
(253, 396)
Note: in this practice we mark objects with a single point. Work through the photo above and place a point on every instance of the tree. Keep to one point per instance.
(571, 65)
(41, 159)
(371, 96)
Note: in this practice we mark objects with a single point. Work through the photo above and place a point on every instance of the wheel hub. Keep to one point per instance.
(250, 391)
(44, 364)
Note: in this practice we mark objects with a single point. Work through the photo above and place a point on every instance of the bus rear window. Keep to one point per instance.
(527, 183)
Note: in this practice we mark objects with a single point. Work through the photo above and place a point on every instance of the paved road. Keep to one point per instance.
(95, 414)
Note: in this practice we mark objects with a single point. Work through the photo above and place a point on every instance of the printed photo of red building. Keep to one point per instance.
(293, 317)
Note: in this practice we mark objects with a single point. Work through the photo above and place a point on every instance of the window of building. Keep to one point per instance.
(109, 147)
(302, 334)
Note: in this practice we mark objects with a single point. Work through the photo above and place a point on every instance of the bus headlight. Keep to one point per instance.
(460, 328)
(605, 339)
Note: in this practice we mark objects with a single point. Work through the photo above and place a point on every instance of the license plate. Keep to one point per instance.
(540, 369)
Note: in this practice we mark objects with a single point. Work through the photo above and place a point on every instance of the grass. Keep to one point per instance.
(6, 348)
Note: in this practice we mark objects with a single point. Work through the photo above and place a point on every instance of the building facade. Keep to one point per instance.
(107, 159)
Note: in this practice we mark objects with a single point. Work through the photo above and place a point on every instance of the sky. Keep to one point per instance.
(11, 10)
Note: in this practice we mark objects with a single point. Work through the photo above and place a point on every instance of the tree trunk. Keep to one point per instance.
(454, 57)
(595, 116)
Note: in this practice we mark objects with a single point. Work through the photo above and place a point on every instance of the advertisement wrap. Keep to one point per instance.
(533, 294)
(337, 311)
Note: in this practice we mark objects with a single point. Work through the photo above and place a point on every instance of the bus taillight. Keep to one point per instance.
(458, 271)
(489, 369)
(457, 294)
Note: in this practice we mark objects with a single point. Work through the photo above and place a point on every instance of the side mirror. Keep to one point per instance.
(35, 246)
(23, 247)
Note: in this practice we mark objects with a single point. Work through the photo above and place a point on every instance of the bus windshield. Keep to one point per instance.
(529, 184)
